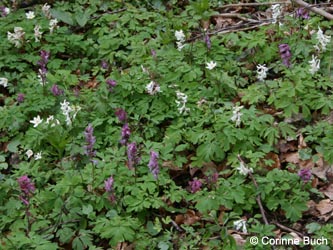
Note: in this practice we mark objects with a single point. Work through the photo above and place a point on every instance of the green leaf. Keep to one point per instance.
(82, 18)
(12, 146)
(313, 227)
(63, 16)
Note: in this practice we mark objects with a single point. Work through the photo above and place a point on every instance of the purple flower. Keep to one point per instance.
(56, 91)
(302, 13)
(285, 54)
(27, 188)
(153, 164)
(104, 64)
(108, 184)
(305, 174)
(121, 114)
(90, 140)
(45, 55)
(20, 98)
(4, 11)
(132, 155)
(195, 185)
(207, 41)
(125, 134)
(153, 53)
(112, 83)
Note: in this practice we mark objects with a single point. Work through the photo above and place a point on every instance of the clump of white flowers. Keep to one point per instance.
(276, 12)
(36, 121)
(236, 115)
(181, 102)
(261, 72)
(37, 156)
(323, 40)
(314, 65)
(46, 10)
(17, 37)
(53, 25)
(37, 33)
(240, 225)
(211, 65)
(4, 81)
(243, 169)
(153, 88)
(69, 111)
(180, 37)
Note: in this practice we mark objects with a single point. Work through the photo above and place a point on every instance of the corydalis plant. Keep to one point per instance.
(153, 164)
(90, 141)
(125, 134)
(27, 189)
(132, 155)
(42, 63)
(121, 114)
(108, 184)
(285, 54)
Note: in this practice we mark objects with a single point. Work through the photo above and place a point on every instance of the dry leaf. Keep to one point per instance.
(324, 206)
(329, 192)
(239, 239)
(301, 142)
(290, 158)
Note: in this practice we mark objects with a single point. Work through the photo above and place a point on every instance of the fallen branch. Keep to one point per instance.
(314, 9)
(288, 229)
(252, 4)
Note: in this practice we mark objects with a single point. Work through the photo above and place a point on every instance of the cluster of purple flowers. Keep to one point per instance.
(305, 174)
(111, 83)
(153, 164)
(104, 64)
(45, 55)
(56, 91)
(302, 13)
(27, 188)
(108, 185)
(195, 185)
(20, 97)
(285, 54)
(121, 114)
(132, 155)
(90, 140)
(125, 134)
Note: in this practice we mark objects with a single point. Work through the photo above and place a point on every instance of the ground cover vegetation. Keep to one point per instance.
(164, 124)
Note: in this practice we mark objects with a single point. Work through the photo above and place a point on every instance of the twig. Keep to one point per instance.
(252, 4)
(258, 199)
(176, 226)
(314, 9)
(236, 15)
(288, 229)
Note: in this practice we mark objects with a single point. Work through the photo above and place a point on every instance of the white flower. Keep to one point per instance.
(323, 40)
(6, 10)
(261, 71)
(38, 156)
(240, 225)
(180, 36)
(17, 37)
(153, 88)
(49, 119)
(36, 121)
(4, 81)
(38, 33)
(314, 65)
(29, 153)
(53, 24)
(30, 15)
(181, 102)
(46, 10)
(276, 12)
(243, 169)
(211, 65)
(75, 109)
(236, 117)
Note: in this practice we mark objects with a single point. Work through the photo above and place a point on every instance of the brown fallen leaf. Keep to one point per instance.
(328, 191)
(239, 239)
(325, 206)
